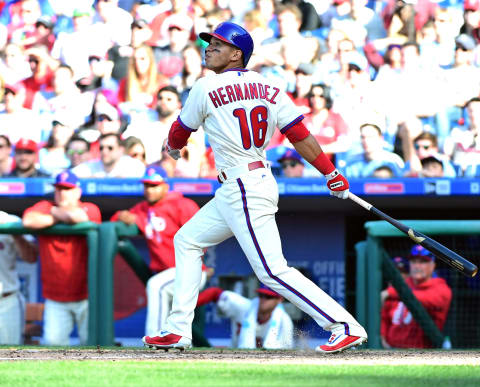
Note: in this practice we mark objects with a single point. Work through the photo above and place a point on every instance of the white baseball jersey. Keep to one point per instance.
(276, 333)
(239, 110)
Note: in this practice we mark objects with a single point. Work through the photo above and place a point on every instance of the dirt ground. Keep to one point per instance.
(358, 356)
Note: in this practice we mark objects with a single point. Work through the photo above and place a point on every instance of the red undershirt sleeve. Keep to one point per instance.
(297, 132)
(178, 135)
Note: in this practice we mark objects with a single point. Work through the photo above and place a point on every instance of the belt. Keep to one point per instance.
(234, 172)
(3, 295)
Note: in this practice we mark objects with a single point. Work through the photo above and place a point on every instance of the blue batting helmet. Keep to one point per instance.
(233, 34)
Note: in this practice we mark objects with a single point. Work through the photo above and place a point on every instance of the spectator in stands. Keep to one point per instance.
(463, 144)
(52, 157)
(289, 21)
(77, 150)
(431, 167)
(135, 149)
(142, 80)
(192, 70)
(292, 163)
(373, 154)
(398, 328)
(471, 25)
(18, 122)
(43, 68)
(99, 77)
(423, 146)
(74, 47)
(169, 58)
(112, 23)
(303, 85)
(26, 153)
(12, 302)
(258, 323)
(27, 34)
(159, 217)
(6, 160)
(382, 172)
(107, 120)
(328, 127)
(63, 260)
(112, 163)
(14, 67)
(121, 54)
(68, 99)
(153, 134)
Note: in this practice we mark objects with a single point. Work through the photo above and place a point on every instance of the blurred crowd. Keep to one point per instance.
(389, 88)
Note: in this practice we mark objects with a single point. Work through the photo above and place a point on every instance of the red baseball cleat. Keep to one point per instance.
(340, 342)
(167, 340)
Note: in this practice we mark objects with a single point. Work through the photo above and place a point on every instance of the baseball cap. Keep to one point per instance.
(105, 109)
(139, 23)
(471, 5)
(263, 289)
(66, 179)
(305, 68)
(14, 87)
(83, 11)
(401, 264)
(44, 20)
(291, 154)
(181, 22)
(154, 175)
(26, 144)
(429, 159)
(418, 251)
(465, 41)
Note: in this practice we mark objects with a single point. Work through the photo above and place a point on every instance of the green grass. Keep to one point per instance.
(176, 373)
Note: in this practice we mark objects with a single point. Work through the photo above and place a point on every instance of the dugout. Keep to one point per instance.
(319, 233)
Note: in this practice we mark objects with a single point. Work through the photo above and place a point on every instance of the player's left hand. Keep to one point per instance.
(337, 184)
(174, 153)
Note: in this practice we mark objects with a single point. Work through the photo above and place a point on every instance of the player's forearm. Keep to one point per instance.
(37, 220)
(28, 250)
(311, 151)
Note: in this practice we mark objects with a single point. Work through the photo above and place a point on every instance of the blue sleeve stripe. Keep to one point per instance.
(185, 126)
(294, 122)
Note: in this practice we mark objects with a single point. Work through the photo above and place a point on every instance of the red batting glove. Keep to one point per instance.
(337, 184)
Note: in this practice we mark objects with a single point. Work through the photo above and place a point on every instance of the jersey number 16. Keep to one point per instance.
(258, 123)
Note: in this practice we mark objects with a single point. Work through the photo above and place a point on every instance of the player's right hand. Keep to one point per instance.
(174, 153)
(337, 184)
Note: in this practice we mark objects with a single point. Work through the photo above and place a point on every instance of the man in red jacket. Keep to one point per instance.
(159, 217)
(398, 328)
(63, 260)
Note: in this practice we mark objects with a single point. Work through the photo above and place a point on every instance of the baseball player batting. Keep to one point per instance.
(239, 111)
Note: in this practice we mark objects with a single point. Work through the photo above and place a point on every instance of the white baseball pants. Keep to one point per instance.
(12, 319)
(159, 299)
(244, 207)
(60, 319)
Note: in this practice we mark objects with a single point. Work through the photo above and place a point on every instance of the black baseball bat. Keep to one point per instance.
(450, 257)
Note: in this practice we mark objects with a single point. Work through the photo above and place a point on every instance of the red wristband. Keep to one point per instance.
(323, 164)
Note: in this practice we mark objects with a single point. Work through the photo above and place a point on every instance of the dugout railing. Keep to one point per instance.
(374, 269)
(90, 231)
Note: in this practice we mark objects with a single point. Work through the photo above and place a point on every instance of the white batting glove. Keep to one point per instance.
(174, 153)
